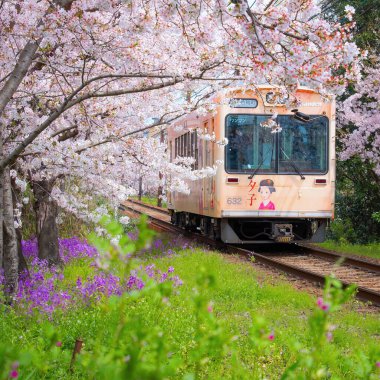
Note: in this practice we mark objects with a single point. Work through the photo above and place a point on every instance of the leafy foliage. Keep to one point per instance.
(358, 198)
(129, 336)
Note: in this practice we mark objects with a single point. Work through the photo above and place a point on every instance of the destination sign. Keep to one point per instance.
(243, 103)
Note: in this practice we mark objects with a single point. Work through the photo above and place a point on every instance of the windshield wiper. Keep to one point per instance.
(295, 167)
(262, 160)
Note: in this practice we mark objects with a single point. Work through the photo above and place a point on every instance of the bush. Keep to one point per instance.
(357, 200)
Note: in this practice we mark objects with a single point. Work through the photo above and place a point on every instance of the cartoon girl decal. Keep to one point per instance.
(266, 189)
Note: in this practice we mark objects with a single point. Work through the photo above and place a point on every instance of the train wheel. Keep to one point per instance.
(204, 226)
(174, 218)
(215, 230)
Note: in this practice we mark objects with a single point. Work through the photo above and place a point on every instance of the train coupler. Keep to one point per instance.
(282, 233)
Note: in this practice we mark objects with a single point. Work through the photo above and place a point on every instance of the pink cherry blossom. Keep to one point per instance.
(97, 72)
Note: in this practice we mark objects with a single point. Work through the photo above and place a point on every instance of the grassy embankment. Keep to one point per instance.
(369, 250)
(239, 295)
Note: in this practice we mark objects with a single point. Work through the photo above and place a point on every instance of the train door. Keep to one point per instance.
(212, 161)
(208, 161)
(171, 153)
(200, 165)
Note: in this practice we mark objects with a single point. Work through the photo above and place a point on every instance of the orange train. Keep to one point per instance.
(276, 182)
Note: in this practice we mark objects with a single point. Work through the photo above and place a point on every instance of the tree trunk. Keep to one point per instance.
(140, 187)
(22, 264)
(23, 63)
(16, 197)
(10, 254)
(46, 225)
(159, 192)
(1, 203)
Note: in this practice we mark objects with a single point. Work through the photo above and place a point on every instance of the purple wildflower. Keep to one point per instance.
(40, 290)
(157, 244)
(322, 305)
(15, 365)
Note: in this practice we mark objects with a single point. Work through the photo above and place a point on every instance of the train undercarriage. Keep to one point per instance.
(253, 230)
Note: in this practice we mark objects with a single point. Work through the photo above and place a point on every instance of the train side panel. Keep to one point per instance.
(235, 201)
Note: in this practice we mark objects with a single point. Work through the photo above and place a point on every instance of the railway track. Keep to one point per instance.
(301, 261)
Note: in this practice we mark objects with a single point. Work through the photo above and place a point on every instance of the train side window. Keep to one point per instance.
(192, 147)
(206, 146)
(212, 147)
(192, 144)
(189, 144)
(200, 154)
(196, 150)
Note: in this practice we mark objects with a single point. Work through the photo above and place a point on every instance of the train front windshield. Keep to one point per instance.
(254, 148)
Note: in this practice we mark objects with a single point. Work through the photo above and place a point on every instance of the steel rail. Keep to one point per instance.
(363, 293)
(142, 204)
(356, 262)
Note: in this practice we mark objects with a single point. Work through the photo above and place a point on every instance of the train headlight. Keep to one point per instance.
(270, 98)
(276, 98)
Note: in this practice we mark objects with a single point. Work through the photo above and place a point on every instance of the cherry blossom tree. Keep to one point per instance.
(79, 78)
(362, 112)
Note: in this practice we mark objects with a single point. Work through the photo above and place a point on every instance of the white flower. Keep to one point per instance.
(349, 11)
(274, 116)
(351, 51)
(223, 141)
(20, 184)
(124, 220)
(115, 240)
(276, 129)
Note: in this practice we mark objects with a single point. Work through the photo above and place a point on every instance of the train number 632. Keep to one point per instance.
(234, 201)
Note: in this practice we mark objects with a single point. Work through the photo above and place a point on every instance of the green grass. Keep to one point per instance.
(150, 200)
(369, 250)
(239, 295)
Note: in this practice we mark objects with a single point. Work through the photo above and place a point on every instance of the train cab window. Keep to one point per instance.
(250, 146)
(254, 149)
(303, 145)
